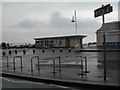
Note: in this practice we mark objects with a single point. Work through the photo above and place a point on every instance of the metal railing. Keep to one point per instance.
(86, 66)
(7, 60)
(14, 67)
(83, 70)
(54, 65)
(32, 64)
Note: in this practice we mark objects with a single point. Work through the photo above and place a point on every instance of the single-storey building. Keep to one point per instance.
(112, 34)
(59, 41)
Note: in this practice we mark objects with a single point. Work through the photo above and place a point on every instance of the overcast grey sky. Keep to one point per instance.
(23, 21)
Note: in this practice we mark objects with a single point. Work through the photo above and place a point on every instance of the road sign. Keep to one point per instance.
(103, 10)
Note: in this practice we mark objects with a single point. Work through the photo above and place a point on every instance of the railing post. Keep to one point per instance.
(32, 63)
(85, 64)
(31, 66)
(59, 64)
(14, 62)
(54, 67)
(33, 51)
(53, 50)
(15, 52)
(24, 52)
(7, 60)
(38, 65)
(82, 68)
(21, 64)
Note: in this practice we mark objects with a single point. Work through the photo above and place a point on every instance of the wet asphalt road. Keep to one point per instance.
(11, 83)
(17, 84)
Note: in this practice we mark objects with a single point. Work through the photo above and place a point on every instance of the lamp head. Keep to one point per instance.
(73, 19)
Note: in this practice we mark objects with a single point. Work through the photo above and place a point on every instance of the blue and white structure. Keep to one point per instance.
(112, 34)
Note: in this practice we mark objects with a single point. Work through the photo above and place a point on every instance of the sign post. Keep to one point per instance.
(101, 12)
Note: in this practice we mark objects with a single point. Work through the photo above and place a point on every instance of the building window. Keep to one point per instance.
(56, 41)
(41, 42)
(37, 41)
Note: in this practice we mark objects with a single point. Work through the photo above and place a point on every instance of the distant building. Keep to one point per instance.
(112, 34)
(59, 41)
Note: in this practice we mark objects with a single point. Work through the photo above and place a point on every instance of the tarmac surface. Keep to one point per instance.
(18, 83)
(69, 70)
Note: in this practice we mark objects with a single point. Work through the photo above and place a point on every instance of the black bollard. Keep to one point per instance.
(60, 49)
(53, 50)
(24, 52)
(15, 52)
(43, 50)
(10, 52)
(33, 51)
(69, 49)
(3, 53)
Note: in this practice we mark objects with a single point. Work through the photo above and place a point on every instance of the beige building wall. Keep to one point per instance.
(99, 39)
(66, 41)
(59, 43)
(112, 33)
(74, 41)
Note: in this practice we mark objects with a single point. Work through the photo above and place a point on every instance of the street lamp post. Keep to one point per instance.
(74, 19)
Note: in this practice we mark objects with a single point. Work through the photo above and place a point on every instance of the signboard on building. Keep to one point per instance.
(111, 43)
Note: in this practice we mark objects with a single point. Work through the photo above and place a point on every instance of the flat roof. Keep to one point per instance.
(106, 26)
(57, 37)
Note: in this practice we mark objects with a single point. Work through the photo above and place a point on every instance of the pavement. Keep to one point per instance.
(70, 73)
(18, 83)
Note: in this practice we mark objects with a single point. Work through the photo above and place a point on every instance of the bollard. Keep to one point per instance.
(33, 51)
(60, 49)
(3, 53)
(43, 50)
(53, 50)
(24, 52)
(69, 49)
(15, 52)
(10, 52)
